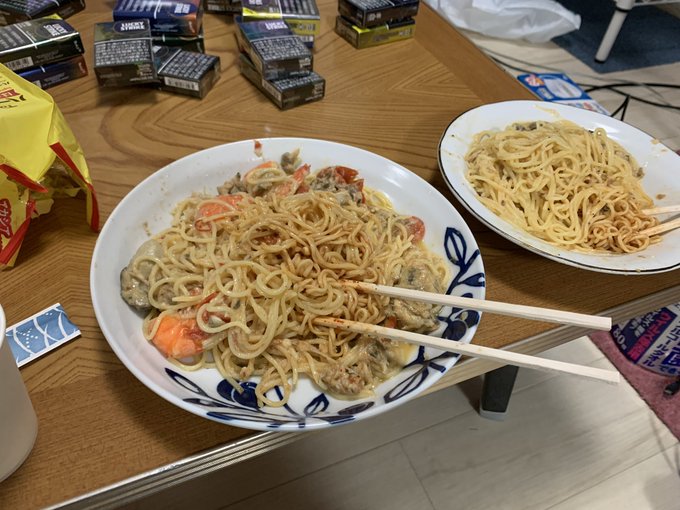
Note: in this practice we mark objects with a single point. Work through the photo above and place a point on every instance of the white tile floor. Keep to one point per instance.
(566, 444)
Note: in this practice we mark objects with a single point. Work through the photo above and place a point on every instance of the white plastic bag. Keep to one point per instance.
(533, 20)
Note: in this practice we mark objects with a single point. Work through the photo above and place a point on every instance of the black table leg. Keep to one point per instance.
(496, 392)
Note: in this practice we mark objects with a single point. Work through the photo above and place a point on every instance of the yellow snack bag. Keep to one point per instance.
(34, 140)
(15, 215)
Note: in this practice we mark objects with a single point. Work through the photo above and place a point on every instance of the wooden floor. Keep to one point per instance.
(566, 444)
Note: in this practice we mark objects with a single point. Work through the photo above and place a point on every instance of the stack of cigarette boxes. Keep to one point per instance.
(14, 11)
(158, 42)
(46, 51)
(278, 62)
(366, 23)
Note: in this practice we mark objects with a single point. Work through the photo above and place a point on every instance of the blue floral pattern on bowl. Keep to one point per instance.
(224, 403)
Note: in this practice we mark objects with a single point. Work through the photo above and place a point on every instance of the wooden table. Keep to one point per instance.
(98, 425)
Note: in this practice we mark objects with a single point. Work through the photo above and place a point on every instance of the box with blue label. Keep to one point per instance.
(182, 17)
(559, 88)
(13, 11)
(652, 341)
(55, 73)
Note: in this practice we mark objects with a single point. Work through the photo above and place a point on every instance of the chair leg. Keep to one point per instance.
(623, 7)
(496, 392)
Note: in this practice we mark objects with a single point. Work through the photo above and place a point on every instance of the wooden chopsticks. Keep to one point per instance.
(512, 358)
(478, 351)
(526, 312)
(662, 210)
(662, 227)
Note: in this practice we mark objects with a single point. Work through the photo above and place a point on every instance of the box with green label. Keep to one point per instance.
(383, 34)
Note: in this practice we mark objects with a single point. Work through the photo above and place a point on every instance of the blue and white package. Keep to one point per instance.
(180, 17)
(55, 73)
(39, 334)
(559, 88)
(652, 341)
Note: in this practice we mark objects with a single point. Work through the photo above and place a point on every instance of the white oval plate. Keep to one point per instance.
(661, 167)
(147, 209)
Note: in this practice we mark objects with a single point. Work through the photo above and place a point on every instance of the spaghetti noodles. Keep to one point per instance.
(237, 280)
(564, 184)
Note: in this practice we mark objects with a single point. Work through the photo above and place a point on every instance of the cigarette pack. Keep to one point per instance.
(14, 11)
(55, 73)
(186, 72)
(371, 13)
(123, 53)
(288, 92)
(185, 42)
(302, 16)
(36, 42)
(183, 17)
(222, 6)
(382, 34)
(274, 50)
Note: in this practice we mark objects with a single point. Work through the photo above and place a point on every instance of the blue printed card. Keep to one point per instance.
(559, 88)
(39, 334)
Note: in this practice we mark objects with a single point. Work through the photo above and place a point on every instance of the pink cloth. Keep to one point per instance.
(649, 385)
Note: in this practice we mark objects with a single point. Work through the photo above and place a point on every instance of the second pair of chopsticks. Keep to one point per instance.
(479, 351)
(666, 226)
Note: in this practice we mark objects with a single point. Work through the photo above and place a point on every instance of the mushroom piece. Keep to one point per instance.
(134, 286)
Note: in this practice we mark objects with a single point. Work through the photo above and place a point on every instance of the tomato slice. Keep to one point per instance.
(227, 203)
(415, 227)
(348, 174)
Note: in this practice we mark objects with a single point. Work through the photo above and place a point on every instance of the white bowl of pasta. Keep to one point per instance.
(208, 275)
(569, 184)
